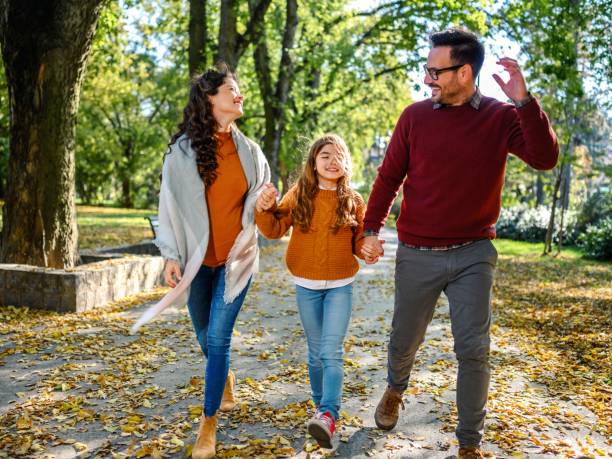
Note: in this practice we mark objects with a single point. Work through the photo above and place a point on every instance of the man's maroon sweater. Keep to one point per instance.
(452, 162)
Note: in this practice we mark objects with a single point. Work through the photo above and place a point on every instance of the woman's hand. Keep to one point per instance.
(172, 273)
(267, 198)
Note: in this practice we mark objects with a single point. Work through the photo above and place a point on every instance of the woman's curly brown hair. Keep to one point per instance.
(199, 124)
(307, 187)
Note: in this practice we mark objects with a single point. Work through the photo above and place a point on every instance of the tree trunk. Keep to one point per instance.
(232, 45)
(228, 36)
(44, 46)
(565, 196)
(561, 227)
(539, 192)
(198, 36)
(126, 190)
(274, 103)
(551, 222)
(126, 171)
(566, 185)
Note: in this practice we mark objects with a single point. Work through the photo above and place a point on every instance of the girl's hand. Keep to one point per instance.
(372, 249)
(172, 273)
(267, 198)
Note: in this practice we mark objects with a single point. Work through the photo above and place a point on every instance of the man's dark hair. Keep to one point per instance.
(465, 47)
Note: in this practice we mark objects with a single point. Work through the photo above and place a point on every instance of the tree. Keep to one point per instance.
(44, 47)
(275, 95)
(332, 63)
(231, 44)
(130, 105)
(4, 131)
(198, 35)
(565, 42)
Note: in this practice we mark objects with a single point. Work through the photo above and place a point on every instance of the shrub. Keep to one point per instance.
(525, 223)
(597, 240)
(596, 208)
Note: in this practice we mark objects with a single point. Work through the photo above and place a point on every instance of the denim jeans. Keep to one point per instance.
(213, 321)
(325, 316)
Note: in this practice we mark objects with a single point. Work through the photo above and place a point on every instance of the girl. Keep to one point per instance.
(327, 219)
(211, 178)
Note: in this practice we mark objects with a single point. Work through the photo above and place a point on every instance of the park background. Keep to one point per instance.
(83, 172)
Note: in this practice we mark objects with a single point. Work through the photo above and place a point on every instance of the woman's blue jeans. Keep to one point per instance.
(213, 321)
(325, 315)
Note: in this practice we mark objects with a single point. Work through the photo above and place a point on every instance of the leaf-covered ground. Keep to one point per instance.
(81, 386)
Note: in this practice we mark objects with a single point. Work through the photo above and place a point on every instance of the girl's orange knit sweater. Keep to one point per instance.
(319, 253)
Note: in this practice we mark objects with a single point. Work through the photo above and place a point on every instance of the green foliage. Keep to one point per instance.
(525, 223)
(596, 208)
(568, 67)
(128, 110)
(350, 70)
(350, 76)
(597, 240)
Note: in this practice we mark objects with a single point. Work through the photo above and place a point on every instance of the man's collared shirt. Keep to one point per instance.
(474, 101)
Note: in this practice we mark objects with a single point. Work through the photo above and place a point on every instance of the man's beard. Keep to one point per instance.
(447, 97)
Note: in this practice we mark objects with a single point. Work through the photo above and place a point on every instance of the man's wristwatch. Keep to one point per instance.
(367, 233)
(525, 101)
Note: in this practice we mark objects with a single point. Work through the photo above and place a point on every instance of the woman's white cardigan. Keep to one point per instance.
(184, 227)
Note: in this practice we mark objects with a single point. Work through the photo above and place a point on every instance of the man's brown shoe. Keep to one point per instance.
(473, 452)
(228, 402)
(387, 411)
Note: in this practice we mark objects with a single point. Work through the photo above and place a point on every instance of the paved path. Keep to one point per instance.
(83, 387)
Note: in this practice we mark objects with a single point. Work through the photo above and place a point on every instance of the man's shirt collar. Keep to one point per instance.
(474, 101)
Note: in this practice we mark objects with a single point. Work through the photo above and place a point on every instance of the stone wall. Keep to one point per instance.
(80, 289)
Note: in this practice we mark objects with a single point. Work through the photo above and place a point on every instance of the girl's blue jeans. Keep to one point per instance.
(213, 321)
(325, 316)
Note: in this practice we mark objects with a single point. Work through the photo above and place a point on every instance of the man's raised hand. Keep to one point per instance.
(515, 88)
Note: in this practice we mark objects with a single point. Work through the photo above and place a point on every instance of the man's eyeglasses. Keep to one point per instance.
(434, 72)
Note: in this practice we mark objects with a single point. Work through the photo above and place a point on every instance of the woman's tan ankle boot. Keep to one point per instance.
(228, 402)
(204, 447)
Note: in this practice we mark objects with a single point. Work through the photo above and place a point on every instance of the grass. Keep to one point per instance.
(110, 226)
(520, 248)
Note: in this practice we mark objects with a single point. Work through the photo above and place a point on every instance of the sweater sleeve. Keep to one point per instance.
(391, 174)
(532, 138)
(358, 232)
(275, 222)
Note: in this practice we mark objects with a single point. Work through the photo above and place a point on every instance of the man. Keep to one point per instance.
(450, 152)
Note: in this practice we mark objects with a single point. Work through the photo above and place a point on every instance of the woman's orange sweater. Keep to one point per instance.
(225, 200)
(319, 253)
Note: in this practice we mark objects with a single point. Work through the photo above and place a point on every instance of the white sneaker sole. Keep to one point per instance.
(320, 433)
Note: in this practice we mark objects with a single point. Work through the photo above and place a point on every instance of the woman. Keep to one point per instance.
(211, 178)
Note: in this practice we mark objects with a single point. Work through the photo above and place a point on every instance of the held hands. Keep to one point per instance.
(172, 273)
(515, 88)
(372, 249)
(267, 198)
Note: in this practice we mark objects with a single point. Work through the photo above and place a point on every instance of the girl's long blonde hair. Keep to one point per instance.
(307, 187)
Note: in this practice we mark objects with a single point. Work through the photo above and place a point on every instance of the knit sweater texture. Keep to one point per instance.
(225, 199)
(319, 253)
(452, 162)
